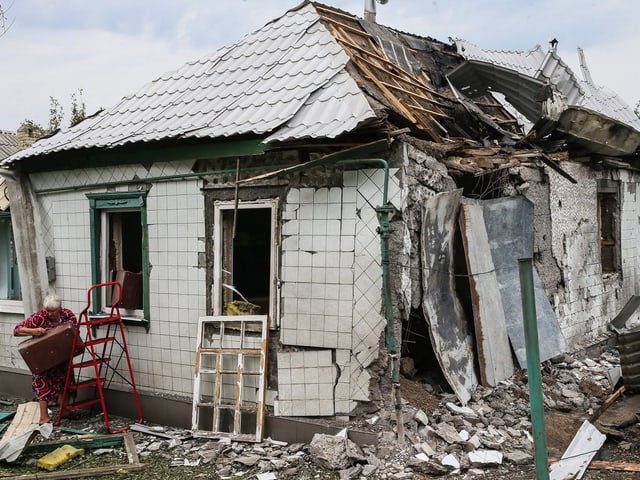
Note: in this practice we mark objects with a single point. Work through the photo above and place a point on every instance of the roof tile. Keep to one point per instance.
(257, 85)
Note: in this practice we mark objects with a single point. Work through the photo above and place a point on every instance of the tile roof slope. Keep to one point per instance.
(542, 65)
(267, 82)
(8, 144)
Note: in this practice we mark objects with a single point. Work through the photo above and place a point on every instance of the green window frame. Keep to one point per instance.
(9, 275)
(101, 206)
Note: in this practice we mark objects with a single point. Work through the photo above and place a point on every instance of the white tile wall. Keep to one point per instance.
(163, 358)
(305, 383)
(314, 279)
(333, 277)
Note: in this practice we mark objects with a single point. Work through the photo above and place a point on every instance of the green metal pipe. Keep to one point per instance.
(384, 231)
(164, 178)
(527, 294)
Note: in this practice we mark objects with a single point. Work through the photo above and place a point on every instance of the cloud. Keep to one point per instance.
(111, 49)
(105, 65)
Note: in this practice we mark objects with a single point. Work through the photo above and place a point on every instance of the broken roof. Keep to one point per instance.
(541, 86)
(316, 72)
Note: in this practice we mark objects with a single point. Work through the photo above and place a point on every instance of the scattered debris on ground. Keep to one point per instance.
(489, 437)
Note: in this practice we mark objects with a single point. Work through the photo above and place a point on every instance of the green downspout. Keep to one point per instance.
(384, 231)
(527, 293)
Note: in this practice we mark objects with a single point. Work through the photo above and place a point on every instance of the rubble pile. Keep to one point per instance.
(492, 430)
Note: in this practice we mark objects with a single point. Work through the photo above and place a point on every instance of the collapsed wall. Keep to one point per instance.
(567, 254)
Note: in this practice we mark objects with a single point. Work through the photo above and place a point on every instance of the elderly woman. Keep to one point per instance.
(47, 385)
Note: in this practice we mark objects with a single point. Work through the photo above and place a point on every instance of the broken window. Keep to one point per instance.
(119, 251)
(609, 225)
(244, 258)
(229, 383)
(9, 278)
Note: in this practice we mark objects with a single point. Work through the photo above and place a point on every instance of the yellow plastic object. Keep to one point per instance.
(60, 455)
(238, 307)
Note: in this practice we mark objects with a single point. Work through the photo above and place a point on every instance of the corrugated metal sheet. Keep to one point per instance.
(629, 348)
(286, 79)
(509, 224)
(548, 67)
(449, 330)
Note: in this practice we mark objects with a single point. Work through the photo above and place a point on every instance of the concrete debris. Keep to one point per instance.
(451, 461)
(518, 457)
(335, 452)
(421, 417)
(465, 412)
(479, 458)
(492, 430)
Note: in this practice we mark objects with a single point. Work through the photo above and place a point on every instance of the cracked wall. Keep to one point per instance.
(332, 281)
(585, 299)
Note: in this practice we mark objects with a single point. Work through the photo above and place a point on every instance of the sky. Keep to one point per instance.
(101, 51)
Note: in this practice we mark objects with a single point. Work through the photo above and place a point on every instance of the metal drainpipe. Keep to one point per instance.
(384, 231)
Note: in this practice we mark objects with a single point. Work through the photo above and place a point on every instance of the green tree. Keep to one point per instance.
(56, 115)
(78, 109)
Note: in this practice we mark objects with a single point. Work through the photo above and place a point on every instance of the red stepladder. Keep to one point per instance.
(100, 346)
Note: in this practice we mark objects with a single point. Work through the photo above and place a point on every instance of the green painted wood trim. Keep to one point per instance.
(145, 267)
(115, 201)
(94, 232)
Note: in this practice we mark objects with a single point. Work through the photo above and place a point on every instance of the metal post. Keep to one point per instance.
(533, 367)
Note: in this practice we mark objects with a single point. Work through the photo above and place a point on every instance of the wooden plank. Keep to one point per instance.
(418, 95)
(492, 341)
(607, 403)
(26, 418)
(614, 466)
(79, 473)
(395, 100)
(130, 448)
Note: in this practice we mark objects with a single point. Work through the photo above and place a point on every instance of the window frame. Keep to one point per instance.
(11, 293)
(610, 190)
(219, 207)
(103, 203)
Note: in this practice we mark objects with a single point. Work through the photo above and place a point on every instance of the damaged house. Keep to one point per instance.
(368, 194)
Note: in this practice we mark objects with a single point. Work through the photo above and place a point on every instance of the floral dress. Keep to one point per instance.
(48, 385)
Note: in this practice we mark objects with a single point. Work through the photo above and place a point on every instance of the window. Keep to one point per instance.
(609, 225)
(230, 377)
(9, 277)
(119, 251)
(245, 259)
